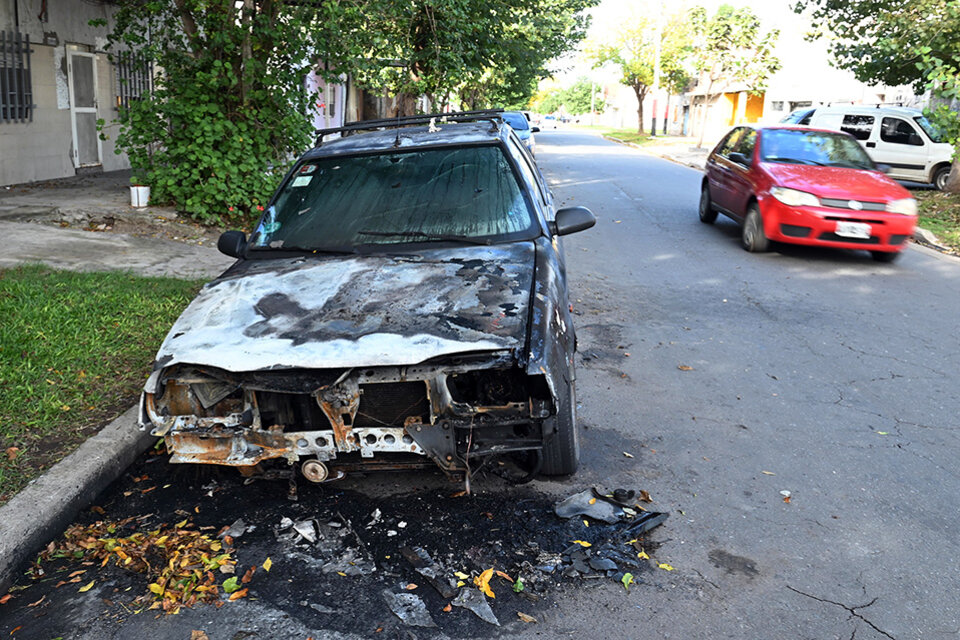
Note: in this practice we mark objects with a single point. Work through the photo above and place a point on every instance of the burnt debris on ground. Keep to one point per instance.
(342, 560)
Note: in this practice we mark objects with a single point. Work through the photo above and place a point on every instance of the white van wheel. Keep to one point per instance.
(940, 177)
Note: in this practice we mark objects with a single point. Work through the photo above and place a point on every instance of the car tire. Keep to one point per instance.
(885, 256)
(561, 447)
(940, 177)
(753, 237)
(708, 215)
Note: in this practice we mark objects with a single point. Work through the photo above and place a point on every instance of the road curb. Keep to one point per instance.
(50, 503)
(651, 152)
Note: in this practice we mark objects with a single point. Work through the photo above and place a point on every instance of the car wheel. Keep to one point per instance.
(940, 178)
(753, 238)
(708, 215)
(561, 448)
(885, 256)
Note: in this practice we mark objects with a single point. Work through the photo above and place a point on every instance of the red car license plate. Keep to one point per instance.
(853, 230)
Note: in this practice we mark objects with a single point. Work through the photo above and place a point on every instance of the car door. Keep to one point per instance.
(719, 169)
(740, 177)
(896, 142)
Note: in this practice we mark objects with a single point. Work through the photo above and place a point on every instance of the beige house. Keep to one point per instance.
(56, 82)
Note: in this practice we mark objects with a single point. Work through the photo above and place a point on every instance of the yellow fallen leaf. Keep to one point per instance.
(182, 523)
(586, 524)
(593, 501)
(155, 588)
(883, 433)
(460, 583)
(461, 575)
(643, 555)
(86, 587)
(665, 566)
(267, 564)
(505, 576)
(768, 473)
(483, 582)
(236, 595)
(582, 543)
(341, 573)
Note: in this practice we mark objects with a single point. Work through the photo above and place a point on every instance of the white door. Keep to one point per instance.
(82, 73)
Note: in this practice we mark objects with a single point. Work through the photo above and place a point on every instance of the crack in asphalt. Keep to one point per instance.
(894, 358)
(709, 582)
(852, 610)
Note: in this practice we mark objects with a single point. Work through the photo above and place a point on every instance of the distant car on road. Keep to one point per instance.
(549, 122)
(806, 186)
(521, 125)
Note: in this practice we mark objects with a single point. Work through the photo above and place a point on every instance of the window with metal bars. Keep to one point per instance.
(134, 77)
(16, 89)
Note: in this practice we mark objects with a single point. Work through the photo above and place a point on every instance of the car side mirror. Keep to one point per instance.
(573, 219)
(535, 129)
(739, 158)
(232, 243)
(883, 168)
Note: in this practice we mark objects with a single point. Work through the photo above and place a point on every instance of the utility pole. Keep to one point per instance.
(593, 97)
(656, 66)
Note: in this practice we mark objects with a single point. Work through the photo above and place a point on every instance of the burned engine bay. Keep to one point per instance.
(457, 412)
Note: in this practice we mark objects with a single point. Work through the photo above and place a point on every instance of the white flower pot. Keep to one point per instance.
(139, 196)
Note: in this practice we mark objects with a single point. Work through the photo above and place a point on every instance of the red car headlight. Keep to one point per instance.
(794, 197)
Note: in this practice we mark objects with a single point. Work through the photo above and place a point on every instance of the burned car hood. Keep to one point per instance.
(356, 311)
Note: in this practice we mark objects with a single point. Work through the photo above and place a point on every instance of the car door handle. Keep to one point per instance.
(872, 145)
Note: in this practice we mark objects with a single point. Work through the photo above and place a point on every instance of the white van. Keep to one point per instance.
(898, 137)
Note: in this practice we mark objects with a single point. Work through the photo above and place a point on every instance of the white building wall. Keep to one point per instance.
(42, 149)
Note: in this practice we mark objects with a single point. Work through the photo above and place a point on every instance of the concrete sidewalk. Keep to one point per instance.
(90, 251)
(83, 198)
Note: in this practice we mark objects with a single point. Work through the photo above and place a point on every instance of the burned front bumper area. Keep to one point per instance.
(456, 414)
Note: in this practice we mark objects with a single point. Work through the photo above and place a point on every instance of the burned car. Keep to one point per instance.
(401, 303)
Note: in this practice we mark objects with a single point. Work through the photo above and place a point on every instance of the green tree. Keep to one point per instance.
(730, 46)
(895, 43)
(228, 106)
(576, 98)
(632, 49)
(484, 52)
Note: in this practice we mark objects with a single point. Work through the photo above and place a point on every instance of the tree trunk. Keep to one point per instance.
(640, 90)
(706, 111)
(246, 19)
(953, 181)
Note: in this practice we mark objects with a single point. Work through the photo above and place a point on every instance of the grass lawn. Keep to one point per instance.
(627, 135)
(940, 213)
(75, 349)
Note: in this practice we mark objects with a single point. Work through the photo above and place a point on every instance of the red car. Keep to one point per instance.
(806, 186)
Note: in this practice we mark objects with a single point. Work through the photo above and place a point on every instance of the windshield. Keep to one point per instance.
(516, 120)
(929, 128)
(814, 148)
(455, 193)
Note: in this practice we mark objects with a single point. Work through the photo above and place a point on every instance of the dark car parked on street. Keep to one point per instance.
(402, 303)
(806, 186)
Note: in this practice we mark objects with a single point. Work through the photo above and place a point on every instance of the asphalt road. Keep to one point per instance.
(728, 377)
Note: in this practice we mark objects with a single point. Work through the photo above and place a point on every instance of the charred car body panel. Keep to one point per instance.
(400, 358)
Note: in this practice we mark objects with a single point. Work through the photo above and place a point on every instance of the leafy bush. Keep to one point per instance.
(228, 108)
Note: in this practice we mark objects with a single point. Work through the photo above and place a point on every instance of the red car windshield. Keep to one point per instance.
(813, 148)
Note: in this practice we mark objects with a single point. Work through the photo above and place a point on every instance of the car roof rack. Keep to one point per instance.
(494, 116)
